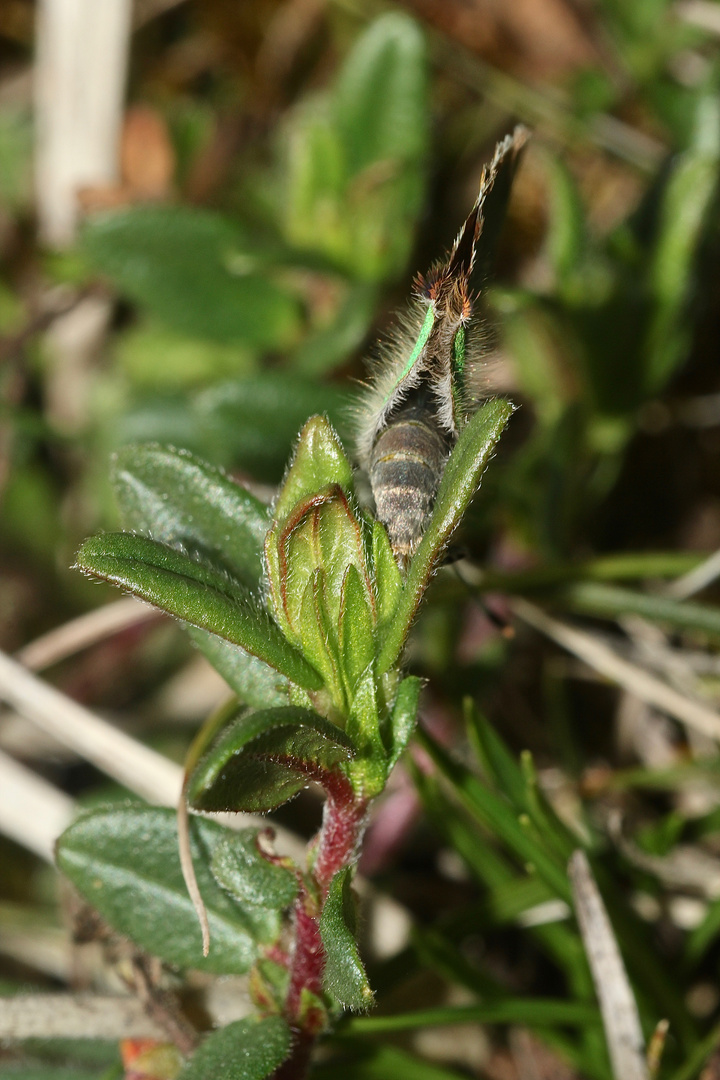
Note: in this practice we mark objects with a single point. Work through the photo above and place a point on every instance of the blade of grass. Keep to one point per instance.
(526, 1011)
(617, 1002)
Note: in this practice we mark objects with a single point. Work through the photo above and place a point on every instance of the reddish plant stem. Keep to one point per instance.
(308, 959)
(339, 841)
(337, 846)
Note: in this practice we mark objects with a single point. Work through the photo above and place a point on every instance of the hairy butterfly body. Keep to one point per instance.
(418, 399)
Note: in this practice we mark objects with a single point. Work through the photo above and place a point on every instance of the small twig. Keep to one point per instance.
(13, 344)
(188, 871)
(617, 1002)
(87, 630)
(656, 1046)
(696, 579)
(126, 760)
(702, 13)
(632, 678)
(45, 949)
(162, 1008)
(32, 811)
(73, 1016)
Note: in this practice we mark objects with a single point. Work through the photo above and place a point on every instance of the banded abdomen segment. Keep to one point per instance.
(406, 466)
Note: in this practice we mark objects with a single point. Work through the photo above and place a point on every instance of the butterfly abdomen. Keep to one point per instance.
(405, 468)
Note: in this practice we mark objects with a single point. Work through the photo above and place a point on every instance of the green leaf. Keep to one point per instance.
(196, 593)
(195, 271)
(319, 462)
(499, 764)
(355, 632)
(380, 98)
(180, 500)
(239, 867)
(403, 717)
(388, 580)
(344, 975)
(566, 235)
(495, 813)
(357, 162)
(613, 601)
(368, 771)
(318, 636)
(528, 1011)
(124, 860)
(687, 201)
(154, 358)
(254, 682)
(267, 757)
(460, 481)
(248, 1049)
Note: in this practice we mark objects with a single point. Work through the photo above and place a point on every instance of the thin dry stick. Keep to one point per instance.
(48, 1016)
(81, 633)
(632, 678)
(13, 344)
(188, 872)
(81, 57)
(702, 13)
(137, 767)
(696, 579)
(617, 1003)
(32, 811)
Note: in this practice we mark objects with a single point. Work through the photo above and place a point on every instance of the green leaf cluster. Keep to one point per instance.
(337, 613)
(356, 158)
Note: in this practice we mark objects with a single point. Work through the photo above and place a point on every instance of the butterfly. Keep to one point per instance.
(418, 398)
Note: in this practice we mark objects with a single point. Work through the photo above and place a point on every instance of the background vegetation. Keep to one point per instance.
(287, 168)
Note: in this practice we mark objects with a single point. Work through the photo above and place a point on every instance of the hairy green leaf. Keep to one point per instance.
(248, 1049)
(124, 860)
(318, 635)
(240, 868)
(196, 593)
(369, 769)
(180, 500)
(319, 462)
(265, 758)
(356, 629)
(403, 717)
(344, 975)
(388, 581)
